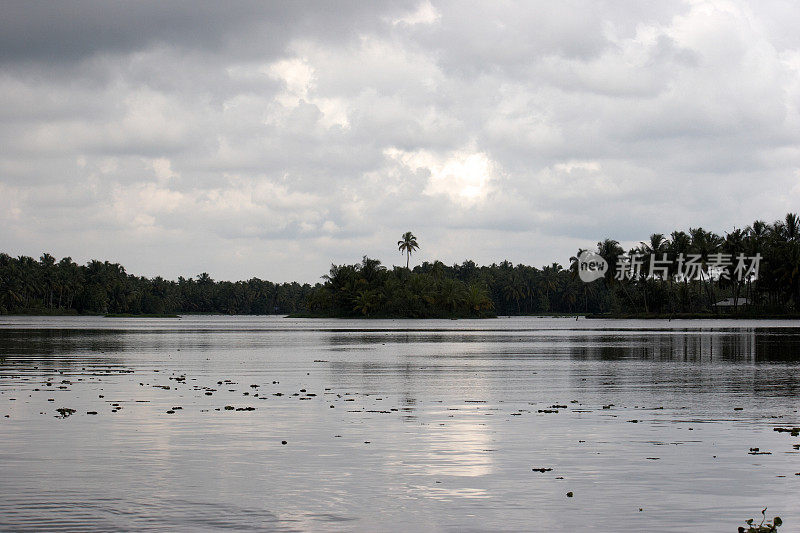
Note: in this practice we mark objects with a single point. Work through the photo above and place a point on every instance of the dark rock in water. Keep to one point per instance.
(754, 449)
(229, 408)
(170, 412)
(569, 494)
(634, 421)
(284, 442)
(543, 469)
(738, 408)
(209, 393)
(65, 411)
(91, 412)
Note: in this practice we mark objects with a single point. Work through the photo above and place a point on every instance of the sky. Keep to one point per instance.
(271, 139)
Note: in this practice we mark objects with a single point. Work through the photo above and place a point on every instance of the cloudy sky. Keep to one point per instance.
(271, 139)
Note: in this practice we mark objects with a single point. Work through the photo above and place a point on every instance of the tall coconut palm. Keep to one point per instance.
(408, 244)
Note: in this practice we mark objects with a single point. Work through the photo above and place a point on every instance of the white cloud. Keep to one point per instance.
(299, 79)
(424, 14)
(464, 176)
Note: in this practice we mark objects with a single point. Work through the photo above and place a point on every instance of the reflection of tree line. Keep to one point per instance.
(747, 345)
(57, 341)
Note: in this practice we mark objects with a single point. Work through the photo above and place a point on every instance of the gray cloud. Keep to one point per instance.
(269, 139)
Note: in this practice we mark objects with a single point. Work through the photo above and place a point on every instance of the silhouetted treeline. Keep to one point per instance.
(29, 286)
(437, 290)
(370, 289)
(775, 290)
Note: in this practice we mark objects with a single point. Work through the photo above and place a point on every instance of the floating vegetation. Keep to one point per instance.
(65, 411)
(762, 527)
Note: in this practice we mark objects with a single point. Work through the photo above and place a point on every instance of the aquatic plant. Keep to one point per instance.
(762, 527)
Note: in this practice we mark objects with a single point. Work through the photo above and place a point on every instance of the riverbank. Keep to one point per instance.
(390, 317)
(693, 316)
(148, 315)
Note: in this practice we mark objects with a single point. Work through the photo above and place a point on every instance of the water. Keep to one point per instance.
(435, 425)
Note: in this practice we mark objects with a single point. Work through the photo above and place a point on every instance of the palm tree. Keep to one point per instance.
(704, 244)
(657, 246)
(365, 301)
(477, 299)
(407, 245)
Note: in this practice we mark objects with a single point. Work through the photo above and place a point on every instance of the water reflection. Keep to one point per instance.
(423, 425)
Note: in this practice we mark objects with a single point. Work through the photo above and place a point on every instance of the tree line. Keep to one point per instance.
(50, 286)
(437, 290)
(775, 290)
(433, 289)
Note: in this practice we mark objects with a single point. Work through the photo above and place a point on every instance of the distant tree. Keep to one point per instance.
(408, 244)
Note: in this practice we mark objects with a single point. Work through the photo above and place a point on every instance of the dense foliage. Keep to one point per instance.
(435, 289)
(775, 291)
(370, 289)
(47, 286)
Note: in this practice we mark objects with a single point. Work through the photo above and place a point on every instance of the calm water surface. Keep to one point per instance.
(396, 425)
